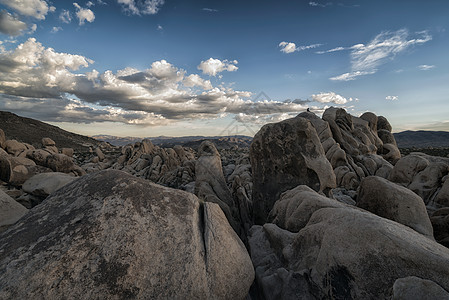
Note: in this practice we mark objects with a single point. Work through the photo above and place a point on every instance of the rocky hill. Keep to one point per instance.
(422, 139)
(32, 131)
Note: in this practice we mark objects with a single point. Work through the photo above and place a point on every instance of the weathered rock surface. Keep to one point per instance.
(14, 147)
(2, 139)
(284, 155)
(415, 288)
(10, 210)
(394, 202)
(342, 253)
(110, 235)
(44, 184)
(440, 223)
(16, 170)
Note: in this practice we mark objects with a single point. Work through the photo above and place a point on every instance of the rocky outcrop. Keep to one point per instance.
(10, 210)
(284, 155)
(389, 200)
(112, 235)
(42, 185)
(341, 253)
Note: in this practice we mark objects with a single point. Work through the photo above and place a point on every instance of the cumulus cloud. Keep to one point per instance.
(392, 98)
(84, 14)
(289, 47)
(142, 7)
(330, 97)
(65, 16)
(366, 59)
(213, 66)
(10, 24)
(40, 79)
(31, 8)
(426, 67)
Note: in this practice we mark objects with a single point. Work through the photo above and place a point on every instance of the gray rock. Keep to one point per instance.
(100, 154)
(48, 142)
(10, 210)
(14, 147)
(440, 224)
(110, 235)
(67, 151)
(44, 184)
(283, 156)
(415, 288)
(389, 200)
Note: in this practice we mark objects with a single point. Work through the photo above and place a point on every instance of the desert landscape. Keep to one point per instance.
(193, 149)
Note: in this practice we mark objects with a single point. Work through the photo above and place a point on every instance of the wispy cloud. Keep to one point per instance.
(84, 14)
(210, 9)
(316, 4)
(138, 7)
(65, 16)
(426, 67)
(392, 98)
(366, 59)
(289, 47)
(56, 29)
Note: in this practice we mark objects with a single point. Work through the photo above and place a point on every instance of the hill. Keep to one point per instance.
(422, 139)
(32, 131)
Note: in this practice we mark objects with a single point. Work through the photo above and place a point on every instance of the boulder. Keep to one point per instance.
(284, 155)
(389, 200)
(415, 288)
(67, 151)
(14, 147)
(383, 124)
(39, 156)
(10, 210)
(16, 170)
(2, 139)
(440, 223)
(110, 235)
(100, 154)
(60, 163)
(342, 253)
(44, 184)
(48, 142)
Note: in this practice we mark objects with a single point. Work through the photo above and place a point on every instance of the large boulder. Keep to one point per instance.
(415, 288)
(14, 147)
(10, 210)
(342, 253)
(44, 184)
(16, 170)
(110, 235)
(440, 223)
(389, 200)
(283, 156)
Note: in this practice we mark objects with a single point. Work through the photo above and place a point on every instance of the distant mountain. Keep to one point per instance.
(32, 131)
(422, 139)
(186, 141)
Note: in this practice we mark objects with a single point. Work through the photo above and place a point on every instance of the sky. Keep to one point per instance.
(148, 68)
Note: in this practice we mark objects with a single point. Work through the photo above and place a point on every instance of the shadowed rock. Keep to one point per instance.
(110, 235)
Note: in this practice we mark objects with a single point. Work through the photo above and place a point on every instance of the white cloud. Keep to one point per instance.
(365, 59)
(140, 7)
(159, 27)
(84, 14)
(90, 4)
(32, 8)
(56, 29)
(65, 16)
(213, 66)
(10, 24)
(210, 9)
(426, 67)
(33, 28)
(352, 75)
(289, 47)
(392, 98)
(40, 80)
(312, 3)
(330, 97)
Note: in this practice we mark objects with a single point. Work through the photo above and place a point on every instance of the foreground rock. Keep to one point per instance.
(415, 288)
(110, 235)
(283, 156)
(394, 202)
(44, 184)
(341, 253)
(10, 210)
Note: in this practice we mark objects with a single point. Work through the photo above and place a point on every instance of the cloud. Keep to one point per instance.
(10, 24)
(426, 67)
(392, 98)
(65, 16)
(31, 8)
(365, 59)
(210, 9)
(54, 85)
(289, 47)
(315, 4)
(56, 29)
(159, 27)
(213, 66)
(84, 14)
(140, 7)
(330, 97)
(90, 4)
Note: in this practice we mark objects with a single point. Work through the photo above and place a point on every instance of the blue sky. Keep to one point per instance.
(155, 67)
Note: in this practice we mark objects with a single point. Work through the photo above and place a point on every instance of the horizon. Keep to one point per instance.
(209, 68)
